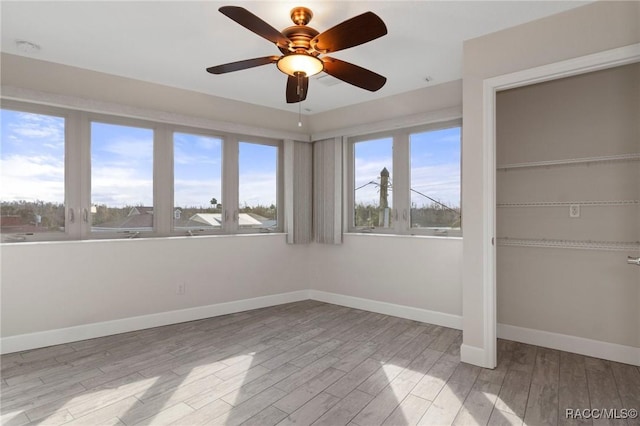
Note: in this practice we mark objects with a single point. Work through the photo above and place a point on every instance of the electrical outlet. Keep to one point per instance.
(181, 288)
(574, 210)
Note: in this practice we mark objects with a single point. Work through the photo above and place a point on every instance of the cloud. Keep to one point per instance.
(257, 189)
(121, 186)
(32, 178)
(196, 193)
(31, 132)
(125, 149)
(441, 182)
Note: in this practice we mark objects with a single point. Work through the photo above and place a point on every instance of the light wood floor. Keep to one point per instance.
(303, 363)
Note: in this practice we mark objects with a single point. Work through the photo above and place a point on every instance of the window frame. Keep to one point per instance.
(71, 218)
(77, 174)
(279, 145)
(401, 180)
(224, 142)
(86, 209)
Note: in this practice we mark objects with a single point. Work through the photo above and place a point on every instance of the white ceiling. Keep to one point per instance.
(171, 42)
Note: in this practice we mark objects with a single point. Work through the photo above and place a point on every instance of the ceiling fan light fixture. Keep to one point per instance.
(300, 63)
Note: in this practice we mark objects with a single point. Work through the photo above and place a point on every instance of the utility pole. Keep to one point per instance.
(384, 202)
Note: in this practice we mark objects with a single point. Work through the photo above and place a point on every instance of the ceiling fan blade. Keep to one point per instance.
(352, 32)
(242, 65)
(251, 22)
(353, 74)
(293, 93)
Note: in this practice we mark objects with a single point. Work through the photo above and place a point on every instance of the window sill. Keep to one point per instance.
(139, 238)
(433, 237)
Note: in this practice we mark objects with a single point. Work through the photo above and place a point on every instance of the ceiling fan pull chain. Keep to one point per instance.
(300, 90)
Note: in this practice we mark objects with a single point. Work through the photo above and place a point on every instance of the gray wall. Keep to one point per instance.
(593, 28)
(83, 282)
(592, 294)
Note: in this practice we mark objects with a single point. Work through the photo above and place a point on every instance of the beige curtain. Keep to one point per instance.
(298, 192)
(327, 191)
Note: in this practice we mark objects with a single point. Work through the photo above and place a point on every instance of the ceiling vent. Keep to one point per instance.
(328, 80)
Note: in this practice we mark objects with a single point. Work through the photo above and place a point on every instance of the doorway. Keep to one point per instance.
(568, 213)
(600, 61)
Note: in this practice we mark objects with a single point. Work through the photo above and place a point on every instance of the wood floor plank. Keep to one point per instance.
(356, 357)
(542, 406)
(354, 378)
(447, 404)
(435, 379)
(267, 417)
(105, 414)
(627, 379)
(204, 414)
(573, 389)
(345, 410)
(603, 392)
(307, 373)
(514, 393)
(14, 418)
(166, 416)
(212, 393)
(243, 412)
(503, 418)
(252, 388)
(291, 354)
(385, 402)
(316, 353)
(307, 391)
(477, 407)
(409, 412)
(311, 411)
(304, 363)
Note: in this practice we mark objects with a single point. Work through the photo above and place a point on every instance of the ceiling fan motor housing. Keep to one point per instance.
(301, 15)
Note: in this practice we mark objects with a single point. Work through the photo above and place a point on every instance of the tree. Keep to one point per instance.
(214, 202)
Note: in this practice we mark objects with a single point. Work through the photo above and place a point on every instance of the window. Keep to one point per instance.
(257, 186)
(373, 190)
(406, 181)
(197, 177)
(32, 192)
(69, 174)
(121, 178)
(435, 179)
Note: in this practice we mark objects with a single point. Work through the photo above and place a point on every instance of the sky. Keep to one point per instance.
(31, 157)
(32, 165)
(435, 167)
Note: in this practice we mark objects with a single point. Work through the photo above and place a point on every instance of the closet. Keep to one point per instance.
(568, 206)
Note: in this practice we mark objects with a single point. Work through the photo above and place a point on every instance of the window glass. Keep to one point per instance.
(197, 182)
(121, 178)
(435, 179)
(32, 174)
(373, 189)
(258, 186)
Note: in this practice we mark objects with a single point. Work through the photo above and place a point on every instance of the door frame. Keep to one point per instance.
(580, 65)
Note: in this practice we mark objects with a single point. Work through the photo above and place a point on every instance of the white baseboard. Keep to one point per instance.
(563, 342)
(474, 355)
(402, 311)
(470, 354)
(89, 331)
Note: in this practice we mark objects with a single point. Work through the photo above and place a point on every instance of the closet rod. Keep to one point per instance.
(570, 161)
(570, 244)
(571, 203)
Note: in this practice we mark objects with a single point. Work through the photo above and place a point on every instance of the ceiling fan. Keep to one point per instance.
(301, 47)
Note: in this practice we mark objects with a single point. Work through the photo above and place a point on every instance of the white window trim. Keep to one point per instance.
(401, 208)
(71, 154)
(280, 217)
(77, 199)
